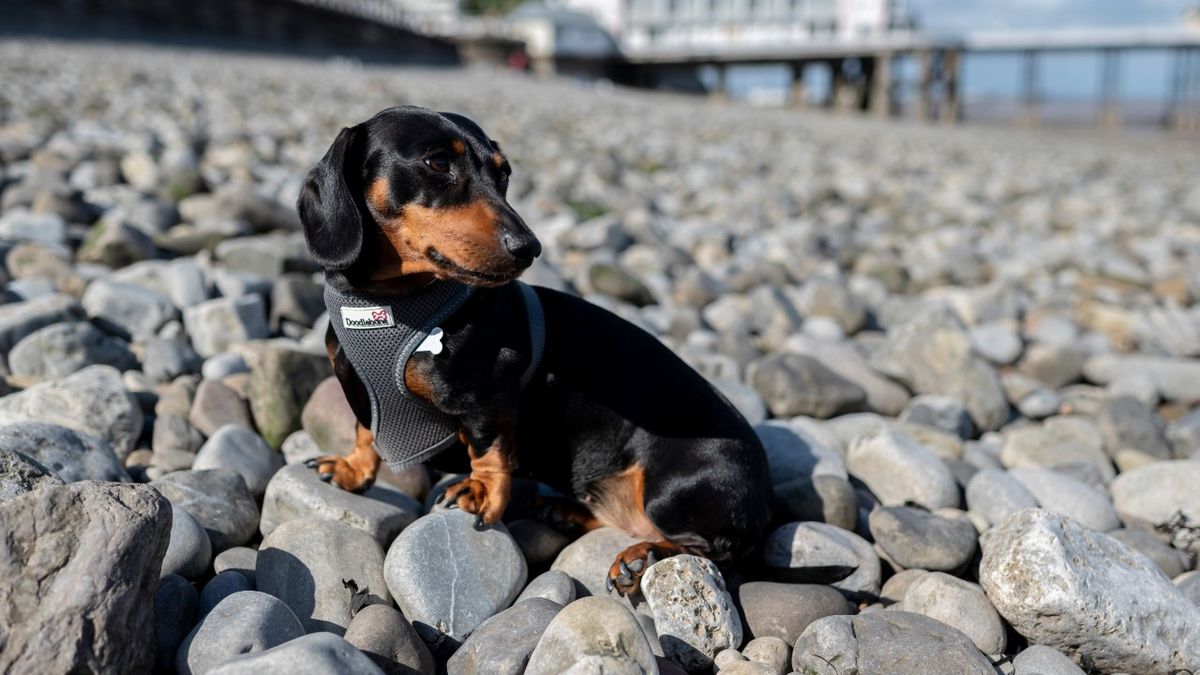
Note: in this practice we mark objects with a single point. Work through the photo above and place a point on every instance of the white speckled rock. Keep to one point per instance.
(958, 604)
(692, 611)
(1063, 494)
(1088, 595)
(1153, 494)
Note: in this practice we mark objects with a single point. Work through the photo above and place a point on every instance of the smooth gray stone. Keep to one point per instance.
(216, 405)
(827, 499)
(503, 643)
(448, 577)
(174, 442)
(80, 567)
(995, 495)
(553, 585)
(1153, 494)
(20, 319)
(539, 542)
(20, 474)
(190, 550)
(1063, 494)
(944, 413)
(1060, 440)
(238, 559)
(899, 470)
(884, 396)
(793, 453)
(175, 605)
(71, 455)
(243, 623)
(1171, 561)
(238, 449)
(221, 586)
(770, 651)
(60, 349)
(958, 604)
(384, 635)
(220, 366)
(218, 499)
(216, 325)
(315, 654)
(794, 384)
(886, 642)
(694, 615)
(281, 382)
(137, 311)
(1189, 584)
(295, 565)
(297, 492)
(588, 559)
(785, 610)
(822, 553)
(93, 400)
(1065, 586)
(592, 634)
(914, 538)
(1042, 660)
(1128, 423)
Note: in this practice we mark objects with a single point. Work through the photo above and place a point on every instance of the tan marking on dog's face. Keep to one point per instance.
(458, 147)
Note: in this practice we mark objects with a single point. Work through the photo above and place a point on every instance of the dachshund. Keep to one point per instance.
(412, 201)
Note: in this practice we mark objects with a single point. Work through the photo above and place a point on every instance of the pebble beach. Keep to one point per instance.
(972, 355)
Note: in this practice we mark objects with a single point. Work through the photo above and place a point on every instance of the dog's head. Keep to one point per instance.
(412, 191)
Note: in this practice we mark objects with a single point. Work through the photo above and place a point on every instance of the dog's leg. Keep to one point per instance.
(488, 488)
(354, 472)
(626, 572)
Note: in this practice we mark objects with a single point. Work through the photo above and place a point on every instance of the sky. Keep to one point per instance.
(969, 15)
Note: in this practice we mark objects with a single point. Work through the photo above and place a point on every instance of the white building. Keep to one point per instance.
(647, 25)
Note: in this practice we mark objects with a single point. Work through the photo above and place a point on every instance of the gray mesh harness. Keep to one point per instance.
(380, 333)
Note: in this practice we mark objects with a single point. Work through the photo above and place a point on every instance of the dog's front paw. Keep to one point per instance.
(625, 575)
(342, 472)
(485, 496)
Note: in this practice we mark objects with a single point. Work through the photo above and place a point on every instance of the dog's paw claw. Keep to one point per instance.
(326, 477)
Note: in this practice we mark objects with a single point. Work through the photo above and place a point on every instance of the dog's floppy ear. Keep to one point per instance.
(328, 208)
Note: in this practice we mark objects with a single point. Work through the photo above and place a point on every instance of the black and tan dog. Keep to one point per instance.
(611, 416)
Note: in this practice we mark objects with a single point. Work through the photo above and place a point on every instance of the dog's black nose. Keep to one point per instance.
(523, 247)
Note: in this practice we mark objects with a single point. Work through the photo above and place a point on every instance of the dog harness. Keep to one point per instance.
(380, 334)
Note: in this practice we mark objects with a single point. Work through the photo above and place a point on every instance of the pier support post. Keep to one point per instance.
(951, 111)
(837, 84)
(720, 90)
(1029, 88)
(924, 106)
(1183, 108)
(880, 85)
(798, 96)
(1110, 89)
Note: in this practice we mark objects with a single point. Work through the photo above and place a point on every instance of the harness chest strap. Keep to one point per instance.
(379, 334)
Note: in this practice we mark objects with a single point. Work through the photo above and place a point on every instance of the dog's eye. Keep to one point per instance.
(438, 161)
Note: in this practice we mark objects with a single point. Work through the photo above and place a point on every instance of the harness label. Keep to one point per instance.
(360, 318)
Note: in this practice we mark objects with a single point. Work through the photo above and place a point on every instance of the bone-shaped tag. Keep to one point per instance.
(432, 343)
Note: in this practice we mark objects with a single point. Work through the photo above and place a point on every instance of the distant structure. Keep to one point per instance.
(641, 26)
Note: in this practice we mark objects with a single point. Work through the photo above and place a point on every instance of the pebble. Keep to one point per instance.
(944, 413)
(794, 453)
(1067, 496)
(328, 419)
(447, 577)
(770, 651)
(294, 564)
(136, 311)
(216, 325)
(1062, 585)
(772, 609)
(92, 400)
(1154, 494)
(883, 395)
(890, 641)
(995, 495)
(552, 585)
(240, 559)
(281, 382)
(297, 492)
(221, 586)
(71, 455)
(1177, 379)
(64, 348)
(216, 405)
(818, 552)
(18, 320)
(693, 613)
(1057, 441)
(958, 604)
(236, 448)
(898, 470)
(592, 634)
(218, 499)
(794, 384)
(220, 366)
(827, 499)
(190, 550)
(914, 538)
(1042, 660)
(588, 559)
(539, 543)
(997, 343)
(243, 623)
(175, 604)
(387, 638)
(1171, 561)
(503, 643)
(1127, 423)
(315, 654)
